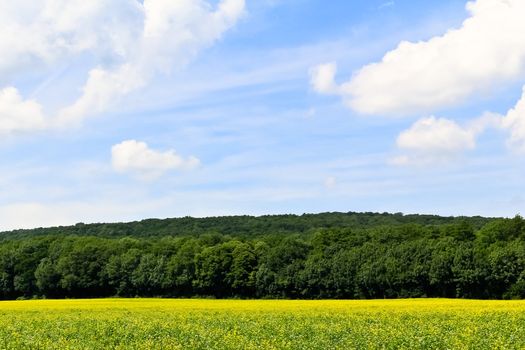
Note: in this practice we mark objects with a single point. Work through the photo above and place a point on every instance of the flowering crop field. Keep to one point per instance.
(261, 324)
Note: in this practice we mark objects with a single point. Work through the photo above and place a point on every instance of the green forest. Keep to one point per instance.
(311, 256)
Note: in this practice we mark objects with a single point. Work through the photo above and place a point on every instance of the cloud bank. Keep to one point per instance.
(133, 41)
(485, 52)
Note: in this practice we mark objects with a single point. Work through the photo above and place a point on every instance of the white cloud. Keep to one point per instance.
(101, 90)
(431, 140)
(322, 78)
(484, 52)
(487, 120)
(174, 32)
(131, 40)
(514, 122)
(418, 77)
(17, 114)
(45, 31)
(137, 158)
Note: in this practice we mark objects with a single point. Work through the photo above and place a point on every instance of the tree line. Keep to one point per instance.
(375, 256)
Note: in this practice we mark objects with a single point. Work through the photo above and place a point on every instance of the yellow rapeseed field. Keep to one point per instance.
(261, 324)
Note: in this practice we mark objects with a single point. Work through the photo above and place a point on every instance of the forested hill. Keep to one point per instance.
(247, 226)
(331, 255)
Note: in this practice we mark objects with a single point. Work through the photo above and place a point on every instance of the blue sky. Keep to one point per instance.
(132, 110)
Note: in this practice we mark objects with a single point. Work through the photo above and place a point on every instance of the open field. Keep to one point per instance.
(262, 324)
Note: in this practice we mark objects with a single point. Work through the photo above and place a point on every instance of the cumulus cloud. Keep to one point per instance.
(131, 40)
(45, 31)
(137, 158)
(173, 33)
(431, 140)
(443, 71)
(17, 114)
(514, 122)
(438, 139)
(421, 77)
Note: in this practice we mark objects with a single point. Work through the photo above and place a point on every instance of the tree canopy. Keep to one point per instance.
(330, 255)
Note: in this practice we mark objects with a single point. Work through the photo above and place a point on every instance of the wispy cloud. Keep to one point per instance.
(386, 5)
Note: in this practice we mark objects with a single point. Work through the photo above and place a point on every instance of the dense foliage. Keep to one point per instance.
(333, 255)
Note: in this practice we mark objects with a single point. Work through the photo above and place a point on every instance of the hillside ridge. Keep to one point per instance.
(244, 224)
